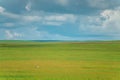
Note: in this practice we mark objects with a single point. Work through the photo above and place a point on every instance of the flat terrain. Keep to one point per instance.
(60, 61)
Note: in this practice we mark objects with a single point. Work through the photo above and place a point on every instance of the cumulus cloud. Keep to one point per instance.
(9, 34)
(28, 6)
(1, 9)
(107, 23)
(12, 35)
(111, 22)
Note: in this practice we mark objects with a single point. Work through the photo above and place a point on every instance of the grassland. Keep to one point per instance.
(60, 61)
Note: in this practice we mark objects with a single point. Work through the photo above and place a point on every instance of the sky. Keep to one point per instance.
(59, 19)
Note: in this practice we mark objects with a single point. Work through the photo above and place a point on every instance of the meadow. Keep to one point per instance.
(60, 60)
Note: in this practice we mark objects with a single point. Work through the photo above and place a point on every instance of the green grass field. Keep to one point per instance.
(60, 61)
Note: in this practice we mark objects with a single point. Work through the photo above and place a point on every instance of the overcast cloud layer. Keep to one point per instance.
(60, 19)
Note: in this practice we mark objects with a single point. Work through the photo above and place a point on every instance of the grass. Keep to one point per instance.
(60, 61)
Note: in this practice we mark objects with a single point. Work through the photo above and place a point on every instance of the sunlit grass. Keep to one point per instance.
(59, 61)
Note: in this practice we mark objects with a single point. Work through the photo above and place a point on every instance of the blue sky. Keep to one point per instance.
(59, 19)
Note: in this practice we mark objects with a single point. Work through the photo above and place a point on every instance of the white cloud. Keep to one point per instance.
(28, 6)
(42, 17)
(9, 35)
(12, 35)
(55, 18)
(8, 14)
(17, 34)
(11, 15)
(31, 18)
(112, 20)
(53, 23)
(61, 17)
(107, 23)
(25, 18)
(1, 9)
